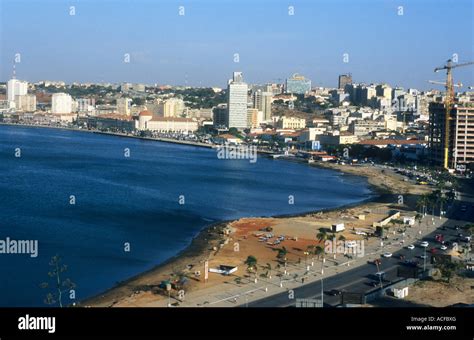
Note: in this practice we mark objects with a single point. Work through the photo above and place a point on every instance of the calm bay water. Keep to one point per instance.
(132, 200)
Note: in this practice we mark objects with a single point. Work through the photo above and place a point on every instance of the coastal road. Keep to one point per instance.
(359, 278)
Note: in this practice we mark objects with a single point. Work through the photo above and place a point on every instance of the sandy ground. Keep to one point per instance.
(231, 247)
(442, 294)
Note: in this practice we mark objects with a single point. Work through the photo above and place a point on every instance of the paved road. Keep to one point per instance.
(359, 278)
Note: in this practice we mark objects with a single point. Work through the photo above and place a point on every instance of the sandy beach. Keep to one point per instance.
(218, 243)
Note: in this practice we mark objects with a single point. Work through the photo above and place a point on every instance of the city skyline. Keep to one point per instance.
(191, 50)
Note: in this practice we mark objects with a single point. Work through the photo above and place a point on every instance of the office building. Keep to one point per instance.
(237, 102)
(262, 101)
(344, 79)
(461, 135)
(219, 116)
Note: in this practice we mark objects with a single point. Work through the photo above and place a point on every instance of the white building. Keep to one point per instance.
(86, 105)
(237, 102)
(291, 123)
(16, 87)
(146, 121)
(25, 102)
(61, 103)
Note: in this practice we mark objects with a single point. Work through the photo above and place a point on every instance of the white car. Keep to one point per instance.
(387, 254)
(424, 244)
(411, 247)
(443, 247)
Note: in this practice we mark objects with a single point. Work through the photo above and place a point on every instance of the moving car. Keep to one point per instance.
(411, 247)
(424, 244)
(443, 247)
(387, 254)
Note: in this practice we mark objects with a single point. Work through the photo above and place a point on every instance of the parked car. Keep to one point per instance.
(387, 254)
(424, 244)
(411, 247)
(334, 292)
(443, 247)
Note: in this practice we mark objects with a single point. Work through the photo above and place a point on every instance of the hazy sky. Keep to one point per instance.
(198, 48)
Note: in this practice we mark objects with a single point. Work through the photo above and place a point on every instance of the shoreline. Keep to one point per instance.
(211, 234)
(117, 134)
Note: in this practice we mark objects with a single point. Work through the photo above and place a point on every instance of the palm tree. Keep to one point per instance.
(251, 263)
(318, 251)
(322, 236)
(282, 253)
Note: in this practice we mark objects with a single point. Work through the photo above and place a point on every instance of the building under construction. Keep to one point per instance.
(461, 135)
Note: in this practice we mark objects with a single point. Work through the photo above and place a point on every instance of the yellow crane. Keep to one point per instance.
(448, 102)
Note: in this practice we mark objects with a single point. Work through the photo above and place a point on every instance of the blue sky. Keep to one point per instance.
(198, 48)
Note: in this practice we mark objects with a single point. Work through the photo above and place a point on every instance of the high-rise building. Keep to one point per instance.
(219, 116)
(85, 105)
(298, 84)
(385, 91)
(237, 102)
(262, 101)
(16, 87)
(461, 135)
(61, 103)
(254, 118)
(172, 107)
(367, 93)
(344, 79)
(124, 105)
(26, 102)
(397, 92)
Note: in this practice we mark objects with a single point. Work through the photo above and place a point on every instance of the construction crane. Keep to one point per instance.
(448, 102)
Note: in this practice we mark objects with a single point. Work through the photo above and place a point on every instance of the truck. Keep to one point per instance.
(337, 227)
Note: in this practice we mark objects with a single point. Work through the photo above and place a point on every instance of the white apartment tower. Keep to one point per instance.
(16, 87)
(237, 102)
(61, 103)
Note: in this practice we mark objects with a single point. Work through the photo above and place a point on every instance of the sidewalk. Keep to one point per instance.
(248, 290)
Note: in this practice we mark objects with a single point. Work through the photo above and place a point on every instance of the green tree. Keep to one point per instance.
(251, 263)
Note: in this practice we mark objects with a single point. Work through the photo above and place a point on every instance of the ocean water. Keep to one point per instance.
(132, 200)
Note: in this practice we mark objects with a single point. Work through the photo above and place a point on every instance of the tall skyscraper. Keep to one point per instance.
(237, 102)
(16, 87)
(345, 79)
(298, 84)
(461, 136)
(262, 101)
(61, 103)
